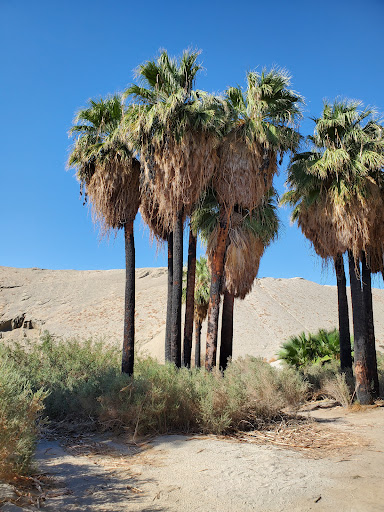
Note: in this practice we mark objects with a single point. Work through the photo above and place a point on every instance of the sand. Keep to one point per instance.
(181, 473)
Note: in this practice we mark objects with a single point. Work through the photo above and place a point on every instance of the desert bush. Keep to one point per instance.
(159, 399)
(339, 388)
(163, 399)
(380, 370)
(250, 394)
(317, 375)
(20, 410)
(75, 372)
(84, 381)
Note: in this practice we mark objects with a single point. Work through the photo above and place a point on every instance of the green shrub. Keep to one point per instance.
(75, 372)
(310, 348)
(20, 409)
(84, 381)
(164, 399)
(380, 370)
(159, 399)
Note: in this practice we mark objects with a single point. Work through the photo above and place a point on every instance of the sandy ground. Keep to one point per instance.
(90, 304)
(181, 473)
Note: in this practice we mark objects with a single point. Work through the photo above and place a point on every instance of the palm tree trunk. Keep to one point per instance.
(362, 386)
(345, 336)
(169, 299)
(129, 309)
(177, 291)
(217, 268)
(197, 343)
(226, 329)
(190, 299)
(368, 307)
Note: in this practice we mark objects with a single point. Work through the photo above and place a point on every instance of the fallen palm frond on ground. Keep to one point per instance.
(307, 436)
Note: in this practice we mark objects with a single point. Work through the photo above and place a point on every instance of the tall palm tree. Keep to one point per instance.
(247, 241)
(201, 300)
(308, 197)
(149, 213)
(249, 234)
(109, 175)
(260, 127)
(175, 129)
(336, 194)
(190, 301)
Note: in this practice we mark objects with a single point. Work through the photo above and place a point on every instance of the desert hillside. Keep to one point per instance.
(90, 304)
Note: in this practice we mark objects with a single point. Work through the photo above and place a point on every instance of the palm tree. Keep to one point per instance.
(307, 195)
(248, 235)
(149, 213)
(247, 240)
(260, 127)
(109, 175)
(201, 300)
(175, 130)
(336, 194)
(190, 302)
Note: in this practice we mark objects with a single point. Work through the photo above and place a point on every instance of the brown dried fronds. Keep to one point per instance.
(176, 173)
(243, 255)
(307, 436)
(242, 262)
(114, 193)
(334, 227)
(244, 173)
(201, 311)
(149, 211)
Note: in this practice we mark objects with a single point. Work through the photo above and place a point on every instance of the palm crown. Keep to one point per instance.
(335, 187)
(103, 158)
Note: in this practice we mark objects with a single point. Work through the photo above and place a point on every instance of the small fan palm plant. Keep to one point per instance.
(304, 349)
(109, 176)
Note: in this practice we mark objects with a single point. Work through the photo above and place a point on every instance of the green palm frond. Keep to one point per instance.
(347, 147)
(267, 111)
(98, 136)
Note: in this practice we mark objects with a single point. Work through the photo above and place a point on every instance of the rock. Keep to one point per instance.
(28, 324)
(279, 364)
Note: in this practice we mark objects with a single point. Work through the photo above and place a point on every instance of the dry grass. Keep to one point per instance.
(339, 389)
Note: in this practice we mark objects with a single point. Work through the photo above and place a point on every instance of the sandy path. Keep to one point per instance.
(180, 473)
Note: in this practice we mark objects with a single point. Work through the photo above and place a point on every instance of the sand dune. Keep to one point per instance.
(90, 304)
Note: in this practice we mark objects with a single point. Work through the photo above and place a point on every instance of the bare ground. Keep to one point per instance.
(338, 468)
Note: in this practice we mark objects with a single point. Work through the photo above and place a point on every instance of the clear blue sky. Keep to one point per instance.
(57, 55)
